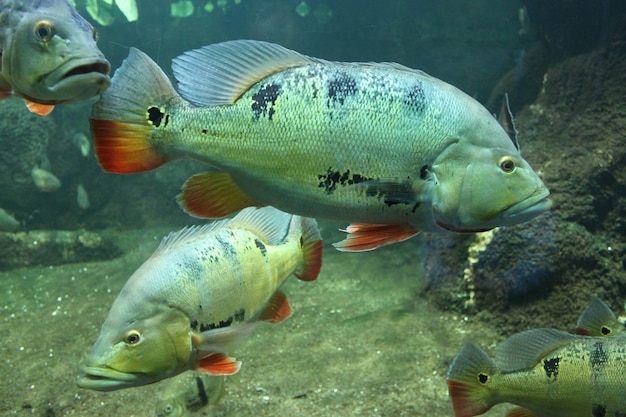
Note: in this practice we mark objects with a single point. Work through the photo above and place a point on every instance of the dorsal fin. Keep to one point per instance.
(505, 118)
(268, 223)
(186, 234)
(524, 350)
(220, 73)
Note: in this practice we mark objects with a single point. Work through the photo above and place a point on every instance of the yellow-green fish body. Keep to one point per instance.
(49, 54)
(378, 144)
(202, 290)
(548, 372)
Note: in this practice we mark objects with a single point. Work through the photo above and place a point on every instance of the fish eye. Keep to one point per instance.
(507, 165)
(44, 30)
(132, 337)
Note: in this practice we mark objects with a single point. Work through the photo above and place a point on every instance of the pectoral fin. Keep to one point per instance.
(363, 237)
(38, 108)
(218, 364)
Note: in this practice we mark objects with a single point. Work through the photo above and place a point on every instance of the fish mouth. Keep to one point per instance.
(79, 79)
(106, 379)
(530, 207)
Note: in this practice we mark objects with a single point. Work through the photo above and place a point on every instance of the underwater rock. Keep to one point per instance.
(44, 247)
(498, 265)
(572, 135)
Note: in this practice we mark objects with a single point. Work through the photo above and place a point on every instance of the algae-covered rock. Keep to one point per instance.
(529, 275)
(43, 247)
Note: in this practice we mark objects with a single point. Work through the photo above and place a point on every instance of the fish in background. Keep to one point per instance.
(8, 223)
(549, 373)
(45, 180)
(189, 393)
(597, 319)
(200, 294)
(49, 54)
(386, 147)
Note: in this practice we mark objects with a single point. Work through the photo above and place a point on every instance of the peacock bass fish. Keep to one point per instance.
(549, 373)
(200, 294)
(386, 147)
(49, 54)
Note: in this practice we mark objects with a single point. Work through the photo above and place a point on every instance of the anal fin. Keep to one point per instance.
(520, 412)
(363, 237)
(277, 309)
(213, 195)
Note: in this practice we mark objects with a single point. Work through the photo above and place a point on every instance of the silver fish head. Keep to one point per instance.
(51, 56)
(130, 353)
(479, 188)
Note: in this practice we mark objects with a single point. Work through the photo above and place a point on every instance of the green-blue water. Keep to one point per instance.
(375, 334)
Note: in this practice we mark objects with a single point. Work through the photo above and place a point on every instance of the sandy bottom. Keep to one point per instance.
(361, 341)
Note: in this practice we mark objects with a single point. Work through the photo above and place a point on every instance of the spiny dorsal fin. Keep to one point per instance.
(524, 350)
(187, 234)
(220, 73)
(505, 118)
(268, 223)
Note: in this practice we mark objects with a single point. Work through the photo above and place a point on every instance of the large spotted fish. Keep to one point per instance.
(386, 147)
(549, 373)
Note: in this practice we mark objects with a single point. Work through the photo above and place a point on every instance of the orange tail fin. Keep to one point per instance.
(125, 120)
(123, 148)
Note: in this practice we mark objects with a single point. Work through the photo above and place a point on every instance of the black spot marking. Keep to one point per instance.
(240, 315)
(598, 357)
(415, 98)
(226, 246)
(261, 246)
(194, 325)
(393, 192)
(340, 88)
(332, 178)
(204, 131)
(551, 366)
(424, 170)
(598, 410)
(204, 399)
(264, 101)
(155, 116)
(483, 378)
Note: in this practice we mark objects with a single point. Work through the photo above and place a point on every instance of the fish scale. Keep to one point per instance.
(388, 148)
